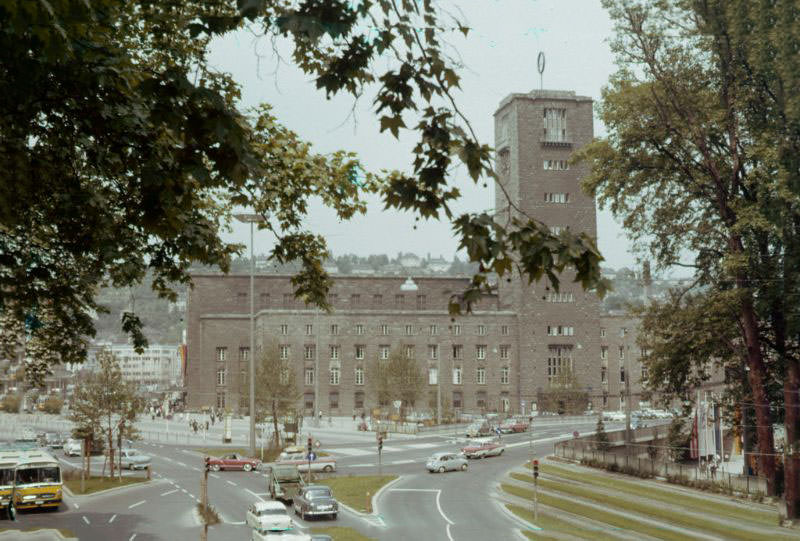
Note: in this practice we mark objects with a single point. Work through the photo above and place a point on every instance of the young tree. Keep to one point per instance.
(564, 395)
(104, 401)
(601, 436)
(276, 387)
(397, 378)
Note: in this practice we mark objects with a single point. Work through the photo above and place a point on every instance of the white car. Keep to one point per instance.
(268, 515)
(134, 460)
(73, 448)
(266, 535)
(319, 464)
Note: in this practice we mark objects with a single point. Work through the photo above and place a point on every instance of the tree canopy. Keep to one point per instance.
(124, 151)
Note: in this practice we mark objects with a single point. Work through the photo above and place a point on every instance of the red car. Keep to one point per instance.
(233, 461)
(513, 425)
(483, 448)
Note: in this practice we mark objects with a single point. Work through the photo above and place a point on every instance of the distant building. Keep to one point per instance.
(158, 368)
(438, 265)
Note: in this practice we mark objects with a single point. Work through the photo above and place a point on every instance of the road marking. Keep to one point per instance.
(439, 506)
(137, 504)
(450, 537)
(237, 523)
(423, 445)
(184, 491)
(414, 490)
(167, 493)
(112, 519)
(352, 452)
(230, 482)
(131, 538)
(195, 469)
(402, 461)
(86, 520)
(255, 494)
(76, 506)
(180, 463)
(214, 475)
(359, 465)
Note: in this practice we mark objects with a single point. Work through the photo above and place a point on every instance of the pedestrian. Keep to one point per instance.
(713, 472)
(206, 426)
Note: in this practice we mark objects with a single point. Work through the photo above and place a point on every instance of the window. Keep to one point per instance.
(622, 332)
(221, 376)
(481, 376)
(308, 401)
(622, 374)
(333, 400)
(284, 352)
(605, 400)
(457, 330)
(334, 329)
(383, 352)
(220, 401)
(284, 329)
(556, 229)
(482, 330)
(222, 354)
(264, 300)
(309, 377)
(550, 197)
(456, 376)
(433, 375)
(355, 301)
(504, 351)
(284, 375)
(603, 374)
(359, 329)
(457, 401)
(334, 375)
(308, 352)
(604, 352)
(556, 165)
(559, 362)
(458, 351)
(409, 350)
(480, 351)
(434, 330)
(504, 371)
(309, 330)
(359, 399)
(433, 351)
(384, 330)
(360, 352)
(504, 330)
(622, 399)
(244, 354)
(409, 330)
(241, 297)
(287, 300)
(334, 352)
(377, 301)
(602, 332)
(398, 301)
(644, 372)
(555, 125)
(560, 330)
(421, 302)
(561, 296)
(622, 352)
(359, 376)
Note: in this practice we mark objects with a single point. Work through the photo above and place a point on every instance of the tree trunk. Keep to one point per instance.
(275, 423)
(111, 452)
(791, 471)
(757, 376)
(119, 454)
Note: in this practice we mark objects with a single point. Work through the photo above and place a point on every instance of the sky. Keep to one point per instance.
(499, 55)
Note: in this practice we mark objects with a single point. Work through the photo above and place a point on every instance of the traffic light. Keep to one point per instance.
(535, 468)
(208, 464)
(380, 443)
(310, 445)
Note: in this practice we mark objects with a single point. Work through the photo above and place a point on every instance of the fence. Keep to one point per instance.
(577, 450)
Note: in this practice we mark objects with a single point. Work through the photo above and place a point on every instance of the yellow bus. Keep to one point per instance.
(37, 481)
(8, 463)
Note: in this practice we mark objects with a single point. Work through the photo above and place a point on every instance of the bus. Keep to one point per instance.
(8, 463)
(37, 481)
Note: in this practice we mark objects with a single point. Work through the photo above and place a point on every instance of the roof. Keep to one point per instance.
(36, 458)
(269, 504)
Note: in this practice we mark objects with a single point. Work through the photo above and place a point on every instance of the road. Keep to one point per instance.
(450, 506)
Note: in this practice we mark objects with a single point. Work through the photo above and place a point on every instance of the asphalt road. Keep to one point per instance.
(451, 506)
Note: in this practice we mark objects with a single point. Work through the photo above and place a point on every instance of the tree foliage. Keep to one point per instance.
(399, 377)
(601, 436)
(564, 395)
(125, 151)
(277, 394)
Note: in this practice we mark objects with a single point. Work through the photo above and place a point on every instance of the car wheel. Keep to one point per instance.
(328, 469)
(247, 467)
(463, 467)
(441, 469)
(215, 467)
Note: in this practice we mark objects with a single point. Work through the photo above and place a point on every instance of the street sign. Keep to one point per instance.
(397, 403)
(497, 430)
(317, 444)
(575, 434)
(312, 456)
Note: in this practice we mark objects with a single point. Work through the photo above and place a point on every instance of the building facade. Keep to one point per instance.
(157, 368)
(517, 344)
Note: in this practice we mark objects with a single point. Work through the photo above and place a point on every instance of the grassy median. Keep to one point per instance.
(550, 525)
(353, 489)
(339, 533)
(96, 483)
(698, 503)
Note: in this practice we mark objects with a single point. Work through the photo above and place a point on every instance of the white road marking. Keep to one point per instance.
(112, 519)
(255, 494)
(131, 538)
(196, 469)
(237, 523)
(137, 504)
(450, 537)
(184, 491)
(230, 482)
(167, 493)
(423, 445)
(180, 463)
(439, 506)
(86, 520)
(359, 465)
(214, 475)
(76, 506)
(352, 452)
(414, 490)
(402, 461)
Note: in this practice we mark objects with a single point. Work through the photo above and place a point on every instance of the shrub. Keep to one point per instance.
(53, 405)
(11, 403)
(601, 437)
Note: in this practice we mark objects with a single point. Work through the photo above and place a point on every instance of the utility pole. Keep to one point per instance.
(310, 450)
(204, 499)
(535, 490)
(628, 435)
(380, 448)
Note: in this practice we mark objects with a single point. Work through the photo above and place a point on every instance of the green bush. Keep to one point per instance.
(11, 403)
(53, 404)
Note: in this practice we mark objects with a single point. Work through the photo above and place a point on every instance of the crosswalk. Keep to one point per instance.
(356, 451)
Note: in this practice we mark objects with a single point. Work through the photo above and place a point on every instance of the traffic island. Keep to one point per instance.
(339, 533)
(357, 491)
(97, 483)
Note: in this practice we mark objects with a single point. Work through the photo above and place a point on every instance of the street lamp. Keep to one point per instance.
(252, 219)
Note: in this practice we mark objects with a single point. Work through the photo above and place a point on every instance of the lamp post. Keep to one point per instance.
(252, 219)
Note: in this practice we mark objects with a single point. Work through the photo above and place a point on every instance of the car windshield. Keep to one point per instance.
(6, 476)
(316, 494)
(38, 475)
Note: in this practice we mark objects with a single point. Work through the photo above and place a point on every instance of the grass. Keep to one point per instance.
(352, 490)
(637, 506)
(209, 515)
(614, 520)
(738, 512)
(63, 531)
(550, 524)
(96, 483)
(340, 533)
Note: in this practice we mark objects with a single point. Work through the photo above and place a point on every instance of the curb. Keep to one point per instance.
(373, 501)
(498, 501)
(81, 497)
(22, 534)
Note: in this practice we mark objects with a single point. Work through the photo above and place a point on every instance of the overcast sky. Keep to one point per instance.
(500, 58)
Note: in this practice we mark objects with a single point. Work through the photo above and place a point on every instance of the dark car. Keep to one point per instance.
(314, 501)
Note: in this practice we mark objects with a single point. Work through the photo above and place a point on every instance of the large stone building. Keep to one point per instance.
(500, 358)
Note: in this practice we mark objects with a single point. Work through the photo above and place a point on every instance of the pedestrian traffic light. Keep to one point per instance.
(310, 445)
(208, 463)
(380, 443)
(536, 468)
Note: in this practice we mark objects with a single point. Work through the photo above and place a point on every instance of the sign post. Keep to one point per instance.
(535, 490)
(310, 454)
(380, 448)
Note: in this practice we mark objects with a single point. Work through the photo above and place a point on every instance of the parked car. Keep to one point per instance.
(323, 464)
(132, 459)
(269, 515)
(53, 440)
(483, 448)
(513, 426)
(73, 447)
(314, 501)
(233, 461)
(478, 429)
(442, 462)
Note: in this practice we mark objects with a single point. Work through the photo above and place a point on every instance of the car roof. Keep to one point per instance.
(317, 487)
(269, 504)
